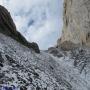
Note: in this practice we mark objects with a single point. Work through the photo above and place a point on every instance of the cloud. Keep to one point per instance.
(1, 2)
(38, 20)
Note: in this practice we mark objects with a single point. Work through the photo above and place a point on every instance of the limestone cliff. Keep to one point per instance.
(76, 19)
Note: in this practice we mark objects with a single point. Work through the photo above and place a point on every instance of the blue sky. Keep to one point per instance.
(38, 20)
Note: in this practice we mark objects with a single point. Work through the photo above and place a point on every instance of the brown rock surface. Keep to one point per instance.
(76, 17)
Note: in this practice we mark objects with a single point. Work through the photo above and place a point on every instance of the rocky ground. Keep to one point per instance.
(24, 67)
(53, 69)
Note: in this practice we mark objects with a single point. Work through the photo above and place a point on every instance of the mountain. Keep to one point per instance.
(8, 28)
(36, 20)
(76, 19)
(23, 68)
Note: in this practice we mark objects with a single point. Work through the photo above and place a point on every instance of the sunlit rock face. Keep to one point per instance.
(76, 22)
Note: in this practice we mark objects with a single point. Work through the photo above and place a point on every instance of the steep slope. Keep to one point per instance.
(76, 22)
(23, 68)
(55, 69)
(8, 27)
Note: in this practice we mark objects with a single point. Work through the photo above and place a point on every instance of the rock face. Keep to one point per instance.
(76, 22)
(55, 69)
(24, 69)
(8, 28)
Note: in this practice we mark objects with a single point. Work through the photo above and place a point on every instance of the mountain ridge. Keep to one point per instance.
(8, 28)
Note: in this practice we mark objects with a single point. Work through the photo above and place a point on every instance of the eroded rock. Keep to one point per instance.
(76, 17)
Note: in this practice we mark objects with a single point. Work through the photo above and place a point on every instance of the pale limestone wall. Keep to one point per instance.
(76, 17)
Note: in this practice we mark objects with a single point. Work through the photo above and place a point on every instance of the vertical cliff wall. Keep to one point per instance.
(76, 17)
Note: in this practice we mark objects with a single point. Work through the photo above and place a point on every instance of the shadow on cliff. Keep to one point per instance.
(8, 28)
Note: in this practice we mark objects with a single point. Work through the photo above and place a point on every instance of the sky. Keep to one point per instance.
(38, 21)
